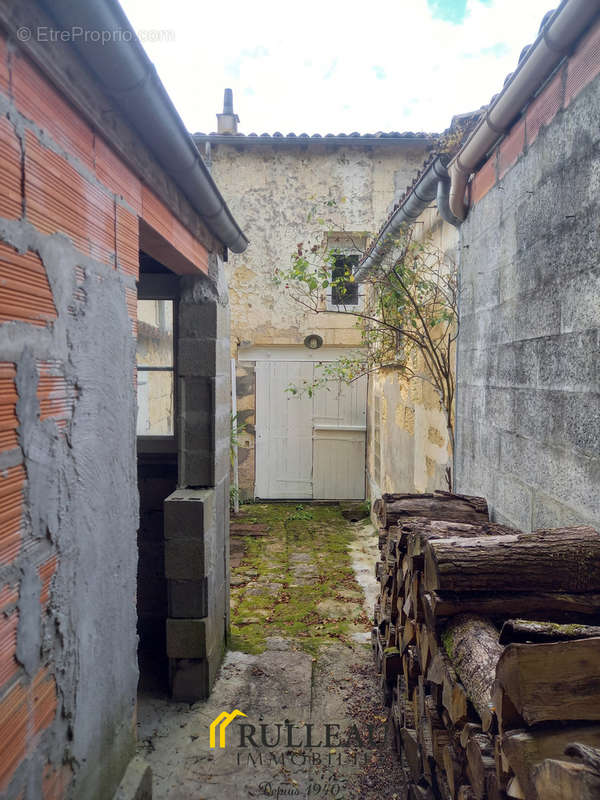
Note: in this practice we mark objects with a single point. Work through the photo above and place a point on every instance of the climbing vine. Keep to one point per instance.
(408, 317)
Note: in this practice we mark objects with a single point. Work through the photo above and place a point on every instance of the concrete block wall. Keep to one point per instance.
(70, 211)
(196, 516)
(528, 404)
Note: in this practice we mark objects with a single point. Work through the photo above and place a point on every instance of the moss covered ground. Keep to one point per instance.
(296, 581)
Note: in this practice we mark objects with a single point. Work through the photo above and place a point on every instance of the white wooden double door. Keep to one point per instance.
(308, 447)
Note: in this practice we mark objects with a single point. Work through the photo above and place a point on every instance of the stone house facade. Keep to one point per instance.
(271, 183)
(91, 225)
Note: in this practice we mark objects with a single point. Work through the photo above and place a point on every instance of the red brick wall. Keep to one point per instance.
(572, 77)
(59, 175)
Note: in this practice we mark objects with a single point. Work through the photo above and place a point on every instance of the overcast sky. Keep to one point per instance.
(325, 66)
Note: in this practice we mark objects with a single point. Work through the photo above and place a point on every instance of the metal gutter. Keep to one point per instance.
(129, 78)
(556, 37)
(433, 184)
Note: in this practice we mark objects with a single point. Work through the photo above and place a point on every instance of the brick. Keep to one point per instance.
(158, 217)
(60, 200)
(4, 73)
(37, 100)
(483, 180)
(128, 260)
(544, 108)
(25, 293)
(11, 200)
(511, 148)
(8, 407)
(55, 395)
(46, 572)
(43, 700)
(584, 65)
(13, 731)
(12, 483)
(186, 638)
(116, 176)
(131, 303)
(55, 781)
(8, 645)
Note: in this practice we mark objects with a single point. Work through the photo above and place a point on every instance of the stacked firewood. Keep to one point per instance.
(487, 644)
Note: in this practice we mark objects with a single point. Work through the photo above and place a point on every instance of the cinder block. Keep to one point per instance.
(189, 513)
(186, 638)
(203, 357)
(188, 599)
(196, 468)
(185, 559)
(193, 679)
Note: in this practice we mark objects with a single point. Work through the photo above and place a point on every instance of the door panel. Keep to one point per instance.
(283, 431)
(339, 464)
(308, 447)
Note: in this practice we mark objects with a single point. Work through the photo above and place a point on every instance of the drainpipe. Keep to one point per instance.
(433, 183)
(556, 37)
(129, 78)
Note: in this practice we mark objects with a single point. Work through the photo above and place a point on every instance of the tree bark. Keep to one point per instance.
(552, 606)
(472, 644)
(560, 560)
(520, 630)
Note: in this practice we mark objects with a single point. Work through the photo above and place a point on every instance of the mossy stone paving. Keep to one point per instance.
(297, 581)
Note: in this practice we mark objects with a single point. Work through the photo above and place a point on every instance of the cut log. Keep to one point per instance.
(563, 780)
(418, 533)
(469, 729)
(521, 630)
(445, 507)
(412, 753)
(588, 753)
(514, 790)
(453, 768)
(480, 761)
(558, 681)
(552, 606)
(560, 560)
(472, 644)
(525, 749)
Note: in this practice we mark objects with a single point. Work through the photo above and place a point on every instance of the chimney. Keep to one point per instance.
(227, 121)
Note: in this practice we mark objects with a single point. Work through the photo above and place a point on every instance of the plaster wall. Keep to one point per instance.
(528, 362)
(407, 445)
(270, 190)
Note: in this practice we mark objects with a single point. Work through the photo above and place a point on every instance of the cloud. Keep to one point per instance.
(407, 69)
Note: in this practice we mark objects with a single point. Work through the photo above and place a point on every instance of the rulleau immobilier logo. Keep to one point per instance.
(221, 722)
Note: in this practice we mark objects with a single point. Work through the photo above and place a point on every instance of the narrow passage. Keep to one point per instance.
(300, 668)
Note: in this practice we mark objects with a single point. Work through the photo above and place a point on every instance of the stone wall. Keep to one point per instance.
(528, 360)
